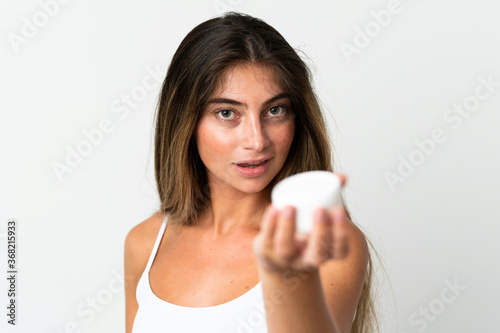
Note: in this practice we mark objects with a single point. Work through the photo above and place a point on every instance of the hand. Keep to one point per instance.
(279, 248)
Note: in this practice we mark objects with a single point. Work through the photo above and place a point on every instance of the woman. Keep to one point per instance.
(237, 113)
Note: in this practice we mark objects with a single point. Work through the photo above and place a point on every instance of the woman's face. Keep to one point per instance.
(246, 130)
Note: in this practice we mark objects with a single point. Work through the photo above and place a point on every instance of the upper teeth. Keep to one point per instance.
(254, 163)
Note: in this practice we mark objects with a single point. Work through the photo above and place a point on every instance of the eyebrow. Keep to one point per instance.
(233, 102)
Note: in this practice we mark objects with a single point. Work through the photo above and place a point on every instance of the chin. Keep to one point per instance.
(252, 187)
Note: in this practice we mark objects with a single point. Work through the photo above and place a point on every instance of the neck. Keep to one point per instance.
(227, 213)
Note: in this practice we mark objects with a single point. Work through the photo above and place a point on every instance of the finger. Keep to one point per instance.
(262, 243)
(284, 243)
(340, 242)
(301, 241)
(269, 227)
(342, 178)
(320, 243)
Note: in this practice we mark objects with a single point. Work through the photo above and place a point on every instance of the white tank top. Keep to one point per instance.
(244, 314)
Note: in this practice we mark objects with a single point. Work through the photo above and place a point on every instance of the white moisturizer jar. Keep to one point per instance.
(307, 191)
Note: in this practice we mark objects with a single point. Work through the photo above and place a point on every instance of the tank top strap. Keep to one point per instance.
(157, 244)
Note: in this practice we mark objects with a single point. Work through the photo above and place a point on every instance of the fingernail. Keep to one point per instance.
(272, 211)
(288, 211)
(320, 215)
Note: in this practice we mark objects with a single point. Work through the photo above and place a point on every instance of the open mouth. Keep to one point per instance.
(252, 169)
(252, 165)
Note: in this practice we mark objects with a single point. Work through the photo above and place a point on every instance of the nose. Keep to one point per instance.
(254, 134)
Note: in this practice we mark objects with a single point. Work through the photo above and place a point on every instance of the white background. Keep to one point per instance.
(438, 226)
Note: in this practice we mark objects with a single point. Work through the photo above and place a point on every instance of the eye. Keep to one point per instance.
(225, 114)
(277, 111)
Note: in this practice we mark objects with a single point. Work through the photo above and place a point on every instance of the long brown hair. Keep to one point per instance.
(195, 71)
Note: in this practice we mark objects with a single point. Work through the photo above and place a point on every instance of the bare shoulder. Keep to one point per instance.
(356, 261)
(353, 267)
(359, 245)
(139, 244)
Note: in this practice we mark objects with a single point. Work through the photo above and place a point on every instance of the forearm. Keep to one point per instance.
(295, 302)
